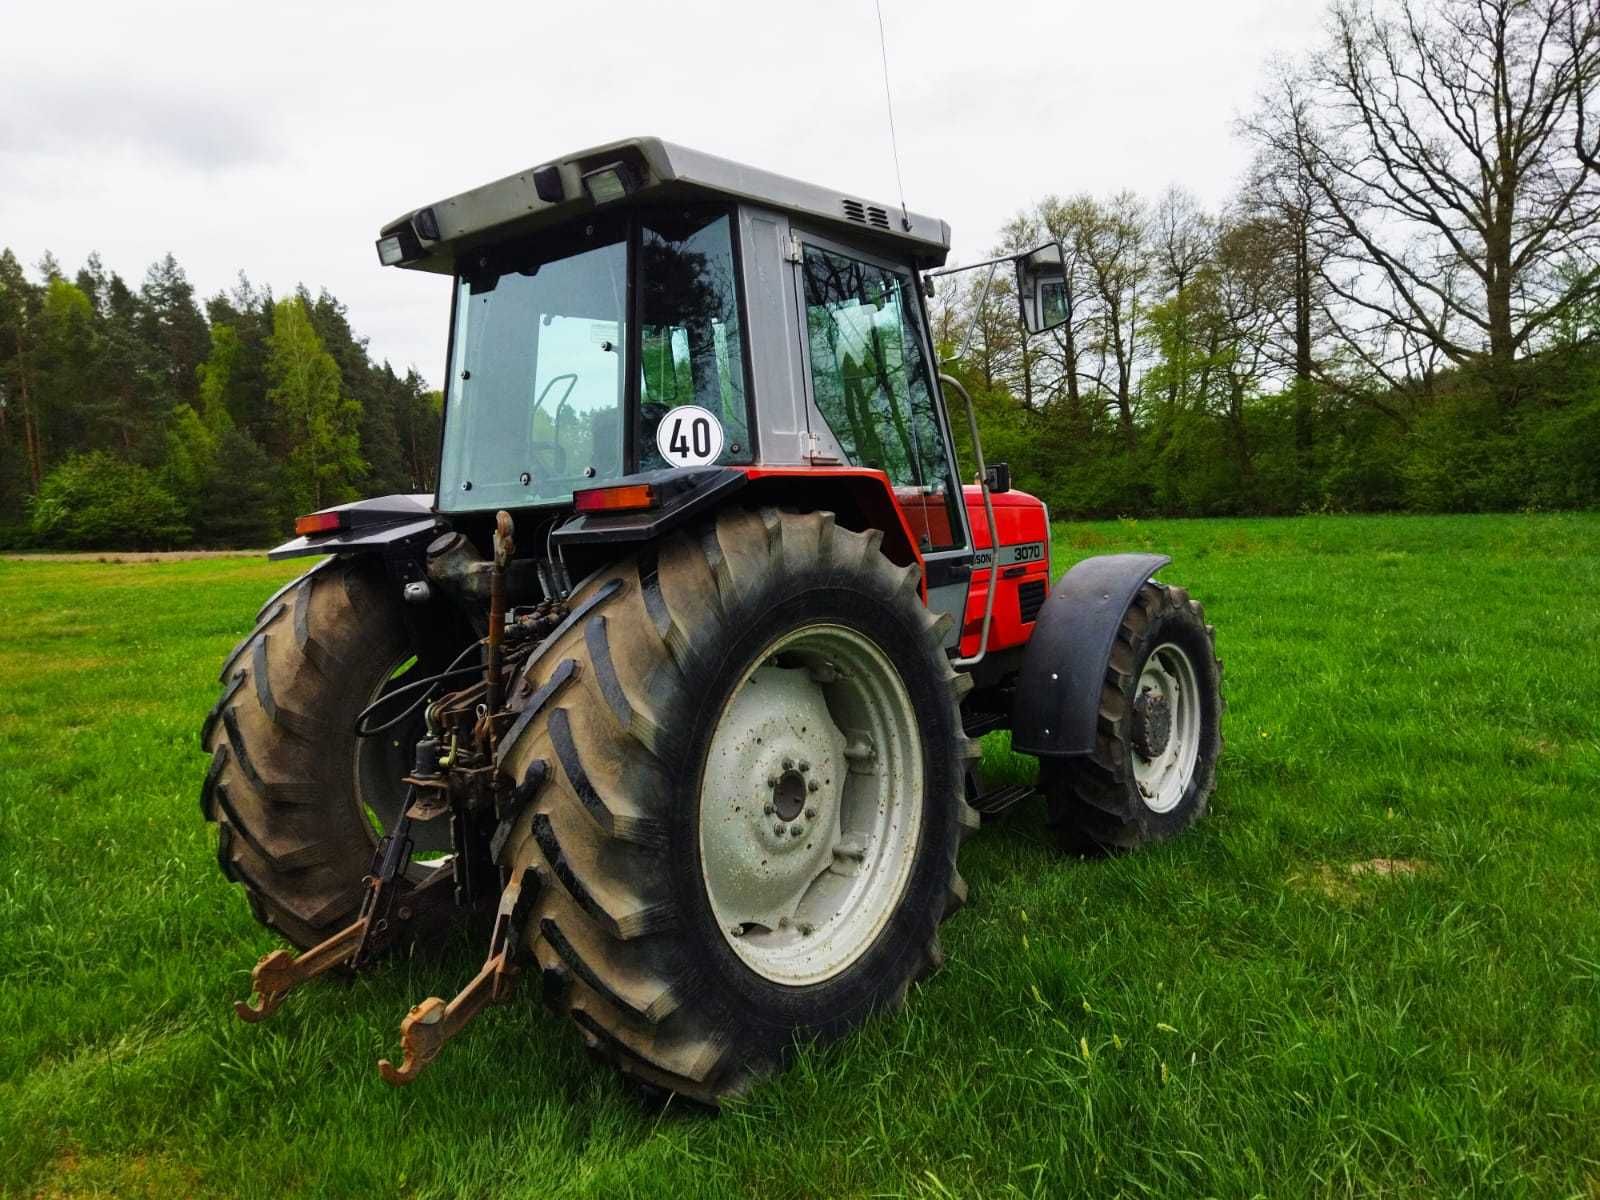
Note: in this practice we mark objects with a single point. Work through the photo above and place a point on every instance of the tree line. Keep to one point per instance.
(138, 418)
(1396, 310)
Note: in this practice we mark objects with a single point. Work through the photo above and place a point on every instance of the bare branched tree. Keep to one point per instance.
(1116, 253)
(1183, 239)
(1451, 152)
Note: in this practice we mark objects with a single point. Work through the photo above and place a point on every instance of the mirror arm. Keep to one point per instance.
(988, 513)
(987, 262)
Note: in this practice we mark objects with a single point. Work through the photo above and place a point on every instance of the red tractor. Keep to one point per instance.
(677, 677)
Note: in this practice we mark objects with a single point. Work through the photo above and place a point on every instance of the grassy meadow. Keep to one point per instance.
(1374, 970)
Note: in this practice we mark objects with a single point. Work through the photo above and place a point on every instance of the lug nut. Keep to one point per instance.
(778, 828)
(772, 781)
(811, 814)
(736, 931)
(788, 764)
(804, 765)
(813, 786)
(795, 831)
(768, 809)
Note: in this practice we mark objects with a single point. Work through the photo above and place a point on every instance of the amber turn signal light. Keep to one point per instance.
(322, 522)
(614, 499)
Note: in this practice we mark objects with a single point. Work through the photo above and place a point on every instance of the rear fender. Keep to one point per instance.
(376, 524)
(1058, 688)
(860, 497)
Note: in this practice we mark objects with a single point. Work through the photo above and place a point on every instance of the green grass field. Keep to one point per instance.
(1373, 970)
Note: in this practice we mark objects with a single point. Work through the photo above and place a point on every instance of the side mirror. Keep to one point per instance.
(1042, 288)
(998, 477)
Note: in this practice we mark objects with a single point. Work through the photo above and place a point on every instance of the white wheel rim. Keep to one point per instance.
(811, 804)
(1164, 776)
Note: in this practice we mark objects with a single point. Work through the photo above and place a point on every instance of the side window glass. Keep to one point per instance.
(693, 350)
(871, 382)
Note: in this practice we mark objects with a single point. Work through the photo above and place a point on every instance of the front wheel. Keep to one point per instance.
(748, 757)
(1158, 734)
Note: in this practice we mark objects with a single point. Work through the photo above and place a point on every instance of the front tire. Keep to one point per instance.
(673, 732)
(1158, 734)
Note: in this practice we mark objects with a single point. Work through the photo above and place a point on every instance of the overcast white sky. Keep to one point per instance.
(277, 138)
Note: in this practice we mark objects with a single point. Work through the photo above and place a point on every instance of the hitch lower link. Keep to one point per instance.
(389, 901)
(394, 908)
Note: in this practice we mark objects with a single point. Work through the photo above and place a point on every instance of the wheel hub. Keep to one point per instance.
(810, 804)
(1152, 724)
(789, 792)
(1165, 727)
(774, 772)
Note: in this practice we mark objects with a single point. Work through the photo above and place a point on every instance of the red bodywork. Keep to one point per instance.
(1022, 585)
(906, 515)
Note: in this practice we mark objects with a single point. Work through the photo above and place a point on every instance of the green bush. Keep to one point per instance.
(96, 501)
(1564, 456)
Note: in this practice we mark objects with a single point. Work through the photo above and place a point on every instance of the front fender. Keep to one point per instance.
(1058, 687)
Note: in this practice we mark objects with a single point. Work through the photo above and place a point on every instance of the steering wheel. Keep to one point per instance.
(550, 457)
(571, 379)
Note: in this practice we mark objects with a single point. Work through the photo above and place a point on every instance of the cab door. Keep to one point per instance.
(873, 394)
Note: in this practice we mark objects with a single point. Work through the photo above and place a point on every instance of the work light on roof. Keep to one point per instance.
(610, 182)
(399, 247)
(426, 223)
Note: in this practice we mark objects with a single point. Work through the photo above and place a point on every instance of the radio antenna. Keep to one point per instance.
(888, 100)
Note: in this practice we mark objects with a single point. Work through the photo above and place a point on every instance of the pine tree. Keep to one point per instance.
(20, 302)
(173, 324)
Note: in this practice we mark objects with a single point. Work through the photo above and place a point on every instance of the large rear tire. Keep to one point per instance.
(293, 792)
(675, 729)
(1158, 736)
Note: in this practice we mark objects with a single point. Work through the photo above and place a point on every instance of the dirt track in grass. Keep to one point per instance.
(127, 556)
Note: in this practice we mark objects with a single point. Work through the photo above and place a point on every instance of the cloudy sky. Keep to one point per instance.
(277, 138)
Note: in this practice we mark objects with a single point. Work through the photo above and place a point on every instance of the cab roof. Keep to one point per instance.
(652, 171)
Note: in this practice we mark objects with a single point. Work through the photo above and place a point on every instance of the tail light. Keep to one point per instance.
(319, 522)
(623, 498)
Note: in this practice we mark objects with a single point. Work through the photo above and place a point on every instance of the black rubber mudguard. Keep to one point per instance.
(1064, 664)
(370, 524)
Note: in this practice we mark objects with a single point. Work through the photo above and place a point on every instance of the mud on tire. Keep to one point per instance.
(281, 785)
(1095, 802)
(616, 714)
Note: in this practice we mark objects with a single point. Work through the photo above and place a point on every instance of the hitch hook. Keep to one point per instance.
(279, 973)
(429, 1025)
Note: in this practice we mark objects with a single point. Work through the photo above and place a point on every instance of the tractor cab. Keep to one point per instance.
(596, 294)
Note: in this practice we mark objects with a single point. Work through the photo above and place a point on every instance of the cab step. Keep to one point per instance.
(1002, 799)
